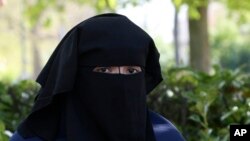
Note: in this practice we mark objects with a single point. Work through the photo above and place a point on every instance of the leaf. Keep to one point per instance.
(195, 118)
(226, 115)
(2, 126)
(3, 89)
(194, 13)
(177, 3)
(113, 4)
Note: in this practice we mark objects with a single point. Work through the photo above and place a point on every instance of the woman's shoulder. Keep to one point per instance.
(17, 137)
(164, 129)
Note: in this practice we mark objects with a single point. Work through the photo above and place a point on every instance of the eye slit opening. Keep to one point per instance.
(133, 70)
(124, 70)
(102, 69)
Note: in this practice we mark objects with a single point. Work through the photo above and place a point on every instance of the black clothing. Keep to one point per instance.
(96, 106)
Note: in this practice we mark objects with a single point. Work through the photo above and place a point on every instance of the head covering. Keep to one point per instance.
(87, 105)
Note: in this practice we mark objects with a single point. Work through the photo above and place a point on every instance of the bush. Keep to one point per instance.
(202, 105)
(230, 47)
(16, 101)
(235, 56)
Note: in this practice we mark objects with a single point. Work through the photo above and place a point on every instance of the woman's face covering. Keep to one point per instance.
(101, 71)
(110, 103)
(110, 89)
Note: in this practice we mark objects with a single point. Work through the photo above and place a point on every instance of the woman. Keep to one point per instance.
(94, 87)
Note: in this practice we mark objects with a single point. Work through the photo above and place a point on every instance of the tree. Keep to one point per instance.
(33, 13)
(239, 9)
(198, 27)
(198, 33)
(176, 34)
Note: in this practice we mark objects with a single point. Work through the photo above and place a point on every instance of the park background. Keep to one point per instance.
(204, 47)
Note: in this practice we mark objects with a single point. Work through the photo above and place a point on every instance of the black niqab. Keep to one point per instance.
(84, 105)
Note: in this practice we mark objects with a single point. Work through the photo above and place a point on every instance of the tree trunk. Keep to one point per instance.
(37, 67)
(199, 45)
(23, 46)
(176, 37)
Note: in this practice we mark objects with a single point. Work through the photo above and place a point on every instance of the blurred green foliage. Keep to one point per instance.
(34, 10)
(236, 8)
(16, 101)
(235, 57)
(203, 105)
(3, 136)
(230, 44)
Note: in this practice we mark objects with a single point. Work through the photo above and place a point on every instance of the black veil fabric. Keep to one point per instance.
(94, 42)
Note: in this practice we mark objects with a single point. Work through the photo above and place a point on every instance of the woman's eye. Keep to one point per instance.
(102, 69)
(132, 70)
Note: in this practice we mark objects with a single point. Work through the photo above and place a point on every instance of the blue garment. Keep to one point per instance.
(164, 130)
